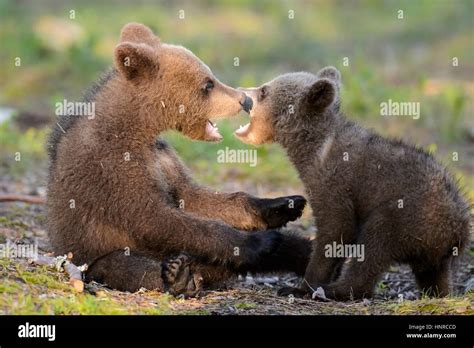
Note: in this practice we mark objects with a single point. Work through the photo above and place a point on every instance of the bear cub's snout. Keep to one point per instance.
(246, 103)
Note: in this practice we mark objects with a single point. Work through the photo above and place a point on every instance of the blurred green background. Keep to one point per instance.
(409, 59)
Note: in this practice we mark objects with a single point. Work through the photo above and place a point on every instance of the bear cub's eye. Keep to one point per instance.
(208, 86)
(262, 93)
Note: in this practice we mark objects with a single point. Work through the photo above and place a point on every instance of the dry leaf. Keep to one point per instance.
(77, 284)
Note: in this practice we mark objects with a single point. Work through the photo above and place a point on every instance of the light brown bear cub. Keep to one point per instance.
(121, 200)
(390, 201)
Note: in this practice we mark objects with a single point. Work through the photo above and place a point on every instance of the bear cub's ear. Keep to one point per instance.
(135, 60)
(320, 95)
(331, 73)
(138, 33)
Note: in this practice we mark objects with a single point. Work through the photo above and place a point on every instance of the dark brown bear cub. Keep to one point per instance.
(375, 201)
(122, 201)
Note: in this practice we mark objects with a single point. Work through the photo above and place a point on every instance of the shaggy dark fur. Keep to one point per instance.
(392, 198)
(66, 122)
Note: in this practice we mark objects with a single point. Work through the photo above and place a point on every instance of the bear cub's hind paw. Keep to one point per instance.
(179, 278)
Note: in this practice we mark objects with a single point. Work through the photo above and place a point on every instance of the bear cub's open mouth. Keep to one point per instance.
(244, 130)
(212, 132)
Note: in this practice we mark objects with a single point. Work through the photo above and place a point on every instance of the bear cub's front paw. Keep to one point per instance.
(256, 247)
(279, 211)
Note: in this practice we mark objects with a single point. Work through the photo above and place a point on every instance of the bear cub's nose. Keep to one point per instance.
(246, 103)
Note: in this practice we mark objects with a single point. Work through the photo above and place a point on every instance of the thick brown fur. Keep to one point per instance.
(122, 201)
(390, 197)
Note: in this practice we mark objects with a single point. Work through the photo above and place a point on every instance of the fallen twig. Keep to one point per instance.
(22, 198)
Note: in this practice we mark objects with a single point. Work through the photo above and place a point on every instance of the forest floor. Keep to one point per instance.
(31, 289)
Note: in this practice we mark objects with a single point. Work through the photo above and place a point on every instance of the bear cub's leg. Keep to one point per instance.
(239, 210)
(134, 270)
(336, 226)
(433, 280)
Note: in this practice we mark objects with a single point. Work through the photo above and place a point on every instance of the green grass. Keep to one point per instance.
(318, 35)
(443, 306)
(272, 164)
(39, 290)
(21, 151)
(388, 59)
(245, 306)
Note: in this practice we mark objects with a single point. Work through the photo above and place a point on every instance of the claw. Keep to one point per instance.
(180, 279)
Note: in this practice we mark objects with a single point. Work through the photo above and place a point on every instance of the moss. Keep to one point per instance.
(245, 305)
(9, 287)
(12, 222)
(441, 306)
(41, 218)
(43, 279)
